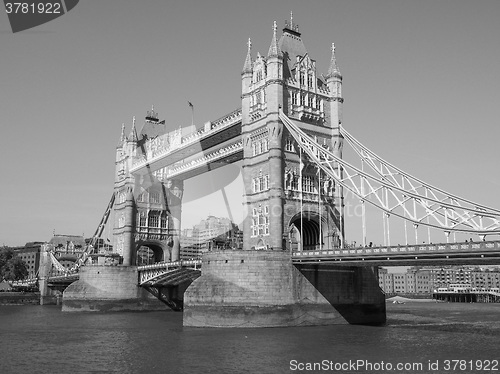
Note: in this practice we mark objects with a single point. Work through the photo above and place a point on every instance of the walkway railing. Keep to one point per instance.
(399, 250)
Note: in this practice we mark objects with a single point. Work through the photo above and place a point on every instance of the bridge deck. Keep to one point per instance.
(432, 254)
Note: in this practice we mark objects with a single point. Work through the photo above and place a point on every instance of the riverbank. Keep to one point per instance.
(441, 316)
(19, 298)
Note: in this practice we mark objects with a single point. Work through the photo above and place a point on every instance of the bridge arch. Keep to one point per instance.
(150, 252)
(310, 231)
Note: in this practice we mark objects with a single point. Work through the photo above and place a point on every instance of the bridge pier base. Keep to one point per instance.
(108, 289)
(264, 289)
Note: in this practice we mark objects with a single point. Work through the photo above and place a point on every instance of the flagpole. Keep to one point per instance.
(192, 112)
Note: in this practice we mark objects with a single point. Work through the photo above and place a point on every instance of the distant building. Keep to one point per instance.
(67, 248)
(414, 280)
(426, 280)
(30, 254)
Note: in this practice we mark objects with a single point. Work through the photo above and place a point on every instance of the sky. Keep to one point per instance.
(420, 83)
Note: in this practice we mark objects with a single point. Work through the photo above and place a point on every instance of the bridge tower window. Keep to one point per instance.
(154, 219)
(164, 220)
(307, 183)
(154, 197)
(260, 221)
(310, 100)
(142, 219)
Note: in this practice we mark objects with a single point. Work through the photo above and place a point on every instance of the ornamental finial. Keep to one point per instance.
(291, 20)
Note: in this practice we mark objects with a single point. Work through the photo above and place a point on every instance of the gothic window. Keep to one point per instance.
(307, 183)
(318, 103)
(265, 145)
(302, 99)
(260, 183)
(310, 80)
(294, 98)
(258, 98)
(142, 219)
(295, 183)
(154, 197)
(260, 146)
(260, 221)
(164, 220)
(258, 76)
(254, 226)
(154, 219)
(301, 78)
(142, 197)
(289, 145)
(255, 184)
(310, 101)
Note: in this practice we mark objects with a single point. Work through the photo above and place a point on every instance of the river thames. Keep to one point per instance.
(419, 337)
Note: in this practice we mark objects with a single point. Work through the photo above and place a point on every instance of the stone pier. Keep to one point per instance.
(264, 289)
(108, 289)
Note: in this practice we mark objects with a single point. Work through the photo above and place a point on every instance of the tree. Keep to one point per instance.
(15, 269)
(11, 266)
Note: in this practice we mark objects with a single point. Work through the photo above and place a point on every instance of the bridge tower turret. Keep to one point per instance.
(124, 212)
(335, 108)
(290, 203)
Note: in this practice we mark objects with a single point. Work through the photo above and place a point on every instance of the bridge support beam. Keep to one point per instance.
(47, 296)
(264, 289)
(175, 192)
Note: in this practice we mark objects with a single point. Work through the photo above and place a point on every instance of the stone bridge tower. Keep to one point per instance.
(147, 207)
(291, 204)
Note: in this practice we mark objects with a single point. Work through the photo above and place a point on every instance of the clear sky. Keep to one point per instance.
(421, 88)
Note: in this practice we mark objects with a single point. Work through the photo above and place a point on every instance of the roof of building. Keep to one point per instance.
(62, 240)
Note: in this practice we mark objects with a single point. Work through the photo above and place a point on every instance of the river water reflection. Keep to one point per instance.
(37, 339)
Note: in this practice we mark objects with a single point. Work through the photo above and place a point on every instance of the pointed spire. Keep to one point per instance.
(333, 70)
(247, 68)
(133, 132)
(291, 20)
(274, 49)
(122, 137)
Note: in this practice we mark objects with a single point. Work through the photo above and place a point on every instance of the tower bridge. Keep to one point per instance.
(295, 267)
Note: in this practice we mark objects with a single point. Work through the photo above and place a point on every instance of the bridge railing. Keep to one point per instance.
(489, 246)
(149, 272)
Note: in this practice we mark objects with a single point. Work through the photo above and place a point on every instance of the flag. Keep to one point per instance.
(190, 104)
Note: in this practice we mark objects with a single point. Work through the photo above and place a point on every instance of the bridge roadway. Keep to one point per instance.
(472, 253)
(217, 144)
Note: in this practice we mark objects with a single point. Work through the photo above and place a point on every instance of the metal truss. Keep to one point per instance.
(396, 192)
